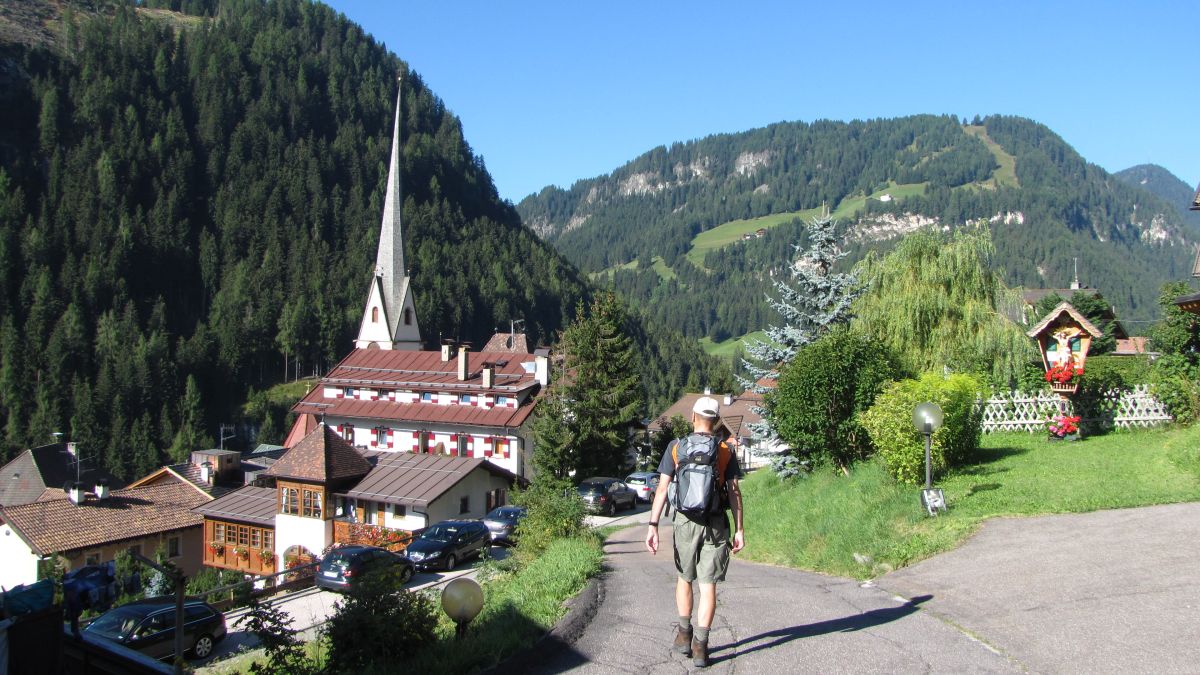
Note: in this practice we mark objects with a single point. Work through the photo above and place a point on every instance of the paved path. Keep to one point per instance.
(1105, 592)
(769, 620)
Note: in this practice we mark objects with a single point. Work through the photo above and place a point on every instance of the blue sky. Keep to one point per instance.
(550, 93)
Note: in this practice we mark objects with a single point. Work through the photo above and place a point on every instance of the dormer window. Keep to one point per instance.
(407, 316)
(467, 399)
(427, 397)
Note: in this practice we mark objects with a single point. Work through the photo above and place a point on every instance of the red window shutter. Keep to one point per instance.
(339, 427)
(390, 432)
(453, 438)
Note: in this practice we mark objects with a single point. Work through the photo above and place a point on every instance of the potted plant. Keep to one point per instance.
(242, 552)
(1064, 377)
(216, 547)
(1063, 428)
(267, 556)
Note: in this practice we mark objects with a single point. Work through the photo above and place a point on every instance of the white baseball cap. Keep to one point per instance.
(706, 406)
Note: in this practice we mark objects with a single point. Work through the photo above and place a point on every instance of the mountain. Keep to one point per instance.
(1166, 185)
(695, 231)
(190, 206)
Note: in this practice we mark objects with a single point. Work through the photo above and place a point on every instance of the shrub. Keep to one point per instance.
(555, 512)
(378, 624)
(821, 393)
(1173, 381)
(889, 423)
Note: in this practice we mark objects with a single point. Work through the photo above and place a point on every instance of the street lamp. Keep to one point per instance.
(461, 600)
(927, 417)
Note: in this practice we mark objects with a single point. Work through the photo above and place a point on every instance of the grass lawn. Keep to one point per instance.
(726, 348)
(660, 267)
(820, 522)
(728, 233)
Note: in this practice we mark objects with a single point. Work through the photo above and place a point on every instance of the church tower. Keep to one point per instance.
(390, 317)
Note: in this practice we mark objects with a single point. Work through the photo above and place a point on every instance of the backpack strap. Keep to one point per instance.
(724, 455)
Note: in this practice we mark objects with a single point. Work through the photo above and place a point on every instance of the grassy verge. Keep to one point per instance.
(821, 522)
(519, 607)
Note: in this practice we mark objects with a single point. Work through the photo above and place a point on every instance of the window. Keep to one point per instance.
(466, 399)
(255, 538)
(243, 534)
(173, 547)
(368, 512)
(136, 548)
(407, 316)
(348, 433)
(374, 315)
(312, 504)
(92, 559)
(291, 500)
(464, 505)
(351, 392)
(269, 540)
(381, 436)
(427, 397)
(399, 510)
(219, 532)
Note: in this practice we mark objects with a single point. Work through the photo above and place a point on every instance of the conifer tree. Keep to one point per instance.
(555, 452)
(811, 300)
(604, 395)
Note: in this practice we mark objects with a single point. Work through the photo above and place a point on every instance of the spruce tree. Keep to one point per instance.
(555, 452)
(604, 395)
(811, 300)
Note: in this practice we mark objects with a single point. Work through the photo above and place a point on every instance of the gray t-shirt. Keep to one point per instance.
(733, 470)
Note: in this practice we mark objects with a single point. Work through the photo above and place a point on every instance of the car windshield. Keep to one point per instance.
(116, 624)
(505, 513)
(636, 480)
(440, 533)
(591, 487)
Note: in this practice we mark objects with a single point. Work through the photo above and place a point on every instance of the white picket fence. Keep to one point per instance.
(1119, 408)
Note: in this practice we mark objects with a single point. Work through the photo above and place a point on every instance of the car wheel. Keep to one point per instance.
(203, 646)
(451, 562)
(611, 509)
(406, 574)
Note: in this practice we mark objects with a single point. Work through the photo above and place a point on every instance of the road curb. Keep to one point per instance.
(581, 609)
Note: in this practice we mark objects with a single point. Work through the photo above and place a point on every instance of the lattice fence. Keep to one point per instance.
(1120, 408)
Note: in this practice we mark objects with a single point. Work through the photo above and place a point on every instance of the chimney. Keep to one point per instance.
(541, 370)
(728, 399)
(447, 347)
(206, 473)
(464, 364)
(708, 391)
(102, 489)
(75, 493)
(489, 375)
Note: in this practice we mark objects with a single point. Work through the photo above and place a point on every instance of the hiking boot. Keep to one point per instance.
(683, 641)
(699, 654)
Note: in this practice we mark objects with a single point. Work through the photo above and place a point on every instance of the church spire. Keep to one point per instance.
(389, 318)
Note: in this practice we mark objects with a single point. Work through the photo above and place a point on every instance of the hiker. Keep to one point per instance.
(692, 466)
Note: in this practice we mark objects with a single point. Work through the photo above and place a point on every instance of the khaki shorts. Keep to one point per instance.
(701, 548)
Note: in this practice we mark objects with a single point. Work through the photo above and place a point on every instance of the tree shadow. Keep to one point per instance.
(982, 487)
(846, 624)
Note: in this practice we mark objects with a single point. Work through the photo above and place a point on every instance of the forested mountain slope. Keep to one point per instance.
(694, 231)
(186, 199)
(1157, 180)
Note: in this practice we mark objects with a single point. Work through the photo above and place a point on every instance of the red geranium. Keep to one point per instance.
(1064, 424)
(1064, 373)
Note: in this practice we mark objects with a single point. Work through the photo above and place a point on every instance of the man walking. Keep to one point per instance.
(701, 537)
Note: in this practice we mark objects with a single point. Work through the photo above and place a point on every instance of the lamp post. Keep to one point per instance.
(461, 600)
(927, 417)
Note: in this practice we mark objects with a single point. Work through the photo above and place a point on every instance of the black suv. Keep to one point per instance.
(444, 544)
(342, 565)
(148, 626)
(606, 495)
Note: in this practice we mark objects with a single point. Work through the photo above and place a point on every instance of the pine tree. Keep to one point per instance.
(555, 450)
(811, 300)
(604, 396)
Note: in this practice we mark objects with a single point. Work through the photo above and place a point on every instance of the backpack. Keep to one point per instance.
(699, 485)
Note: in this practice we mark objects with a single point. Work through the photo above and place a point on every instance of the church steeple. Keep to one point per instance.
(390, 318)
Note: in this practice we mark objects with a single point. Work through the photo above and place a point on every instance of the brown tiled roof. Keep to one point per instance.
(421, 413)
(322, 456)
(734, 416)
(250, 504)
(187, 472)
(1133, 345)
(417, 480)
(1056, 312)
(514, 343)
(391, 369)
(59, 526)
(26, 478)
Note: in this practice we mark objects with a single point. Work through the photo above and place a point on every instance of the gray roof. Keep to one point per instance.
(249, 504)
(417, 480)
(26, 478)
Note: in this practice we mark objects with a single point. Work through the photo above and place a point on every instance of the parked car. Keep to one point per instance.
(342, 565)
(502, 523)
(644, 483)
(606, 495)
(148, 626)
(449, 542)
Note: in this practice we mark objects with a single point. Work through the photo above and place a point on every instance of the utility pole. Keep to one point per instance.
(221, 433)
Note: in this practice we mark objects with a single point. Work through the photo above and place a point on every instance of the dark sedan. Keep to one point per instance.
(502, 523)
(447, 543)
(606, 495)
(148, 626)
(343, 565)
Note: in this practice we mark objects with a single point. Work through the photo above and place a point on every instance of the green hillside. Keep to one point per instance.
(693, 204)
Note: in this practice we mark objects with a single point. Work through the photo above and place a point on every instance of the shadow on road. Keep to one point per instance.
(847, 624)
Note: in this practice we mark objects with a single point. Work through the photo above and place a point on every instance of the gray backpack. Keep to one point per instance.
(700, 462)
